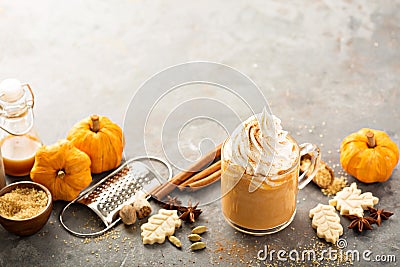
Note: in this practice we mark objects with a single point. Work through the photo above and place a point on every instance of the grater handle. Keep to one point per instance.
(84, 234)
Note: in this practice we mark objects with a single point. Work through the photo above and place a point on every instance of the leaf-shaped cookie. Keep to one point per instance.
(350, 201)
(327, 222)
(159, 226)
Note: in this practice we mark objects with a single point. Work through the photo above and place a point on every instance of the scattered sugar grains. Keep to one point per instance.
(22, 203)
(337, 185)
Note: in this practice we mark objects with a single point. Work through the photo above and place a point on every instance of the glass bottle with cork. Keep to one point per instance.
(19, 139)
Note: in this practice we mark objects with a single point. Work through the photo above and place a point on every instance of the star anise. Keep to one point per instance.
(172, 203)
(360, 223)
(378, 215)
(190, 213)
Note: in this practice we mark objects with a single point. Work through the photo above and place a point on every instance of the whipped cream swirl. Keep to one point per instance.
(260, 146)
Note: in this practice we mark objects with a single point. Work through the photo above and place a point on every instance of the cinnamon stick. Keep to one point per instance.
(206, 180)
(164, 189)
(204, 173)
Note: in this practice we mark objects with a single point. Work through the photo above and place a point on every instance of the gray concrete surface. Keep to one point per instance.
(327, 69)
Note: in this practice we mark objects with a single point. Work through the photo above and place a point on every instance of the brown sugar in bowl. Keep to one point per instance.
(28, 226)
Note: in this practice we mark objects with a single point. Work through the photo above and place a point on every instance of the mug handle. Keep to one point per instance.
(312, 170)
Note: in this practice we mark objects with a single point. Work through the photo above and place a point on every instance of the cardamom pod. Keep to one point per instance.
(198, 246)
(199, 229)
(194, 237)
(175, 241)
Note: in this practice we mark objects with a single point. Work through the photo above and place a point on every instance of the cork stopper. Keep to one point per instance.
(371, 139)
(11, 90)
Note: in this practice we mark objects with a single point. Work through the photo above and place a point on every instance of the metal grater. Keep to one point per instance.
(119, 188)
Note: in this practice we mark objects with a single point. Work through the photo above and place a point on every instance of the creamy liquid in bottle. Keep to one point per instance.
(18, 141)
(19, 154)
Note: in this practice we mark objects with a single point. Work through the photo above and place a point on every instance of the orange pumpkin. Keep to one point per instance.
(63, 169)
(101, 139)
(369, 155)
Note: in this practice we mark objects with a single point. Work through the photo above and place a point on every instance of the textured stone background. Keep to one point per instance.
(327, 69)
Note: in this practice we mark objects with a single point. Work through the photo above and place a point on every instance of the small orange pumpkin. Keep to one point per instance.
(101, 139)
(63, 169)
(369, 155)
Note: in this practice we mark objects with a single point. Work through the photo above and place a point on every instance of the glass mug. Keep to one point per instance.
(272, 205)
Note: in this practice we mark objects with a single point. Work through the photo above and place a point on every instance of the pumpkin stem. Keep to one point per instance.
(371, 139)
(95, 123)
(61, 174)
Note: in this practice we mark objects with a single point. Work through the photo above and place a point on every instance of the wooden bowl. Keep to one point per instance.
(29, 226)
